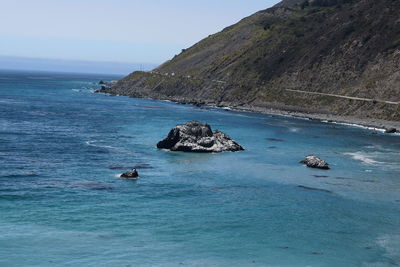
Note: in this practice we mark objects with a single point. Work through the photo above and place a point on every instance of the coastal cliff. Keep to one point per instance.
(339, 57)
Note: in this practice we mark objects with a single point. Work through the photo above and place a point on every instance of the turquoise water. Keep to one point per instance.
(62, 204)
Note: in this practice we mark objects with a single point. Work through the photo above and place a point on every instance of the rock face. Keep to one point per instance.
(315, 162)
(391, 130)
(132, 174)
(198, 137)
(105, 86)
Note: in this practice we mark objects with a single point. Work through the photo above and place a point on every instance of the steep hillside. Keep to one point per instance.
(297, 55)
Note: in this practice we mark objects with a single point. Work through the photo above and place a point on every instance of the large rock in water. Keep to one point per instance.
(198, 137)
(315, 162)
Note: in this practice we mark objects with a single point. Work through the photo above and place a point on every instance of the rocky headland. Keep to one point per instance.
(295, 59)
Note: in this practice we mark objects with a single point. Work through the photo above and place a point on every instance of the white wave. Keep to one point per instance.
(76, 90)
(11, 101)
(377, 129)
(363, 157)
(100, 144)
(371, 128)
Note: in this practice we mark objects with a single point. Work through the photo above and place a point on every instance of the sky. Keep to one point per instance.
(123, 31)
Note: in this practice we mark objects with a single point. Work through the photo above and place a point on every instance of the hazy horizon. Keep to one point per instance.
(120, 31)
(71, 66)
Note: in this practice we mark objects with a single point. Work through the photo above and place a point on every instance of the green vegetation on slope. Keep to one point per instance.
(341, 47)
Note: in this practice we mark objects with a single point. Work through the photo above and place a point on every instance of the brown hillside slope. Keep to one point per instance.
(274, 57)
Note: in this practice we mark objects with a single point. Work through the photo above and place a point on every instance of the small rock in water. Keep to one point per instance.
(391, 130)
(132, 174)
(198, 137)
(315, 162)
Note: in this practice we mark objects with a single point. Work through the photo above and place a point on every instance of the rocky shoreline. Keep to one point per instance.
(370, 123)
(296, 112)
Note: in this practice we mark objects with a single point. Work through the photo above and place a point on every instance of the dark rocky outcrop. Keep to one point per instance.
(391, 130)
(198, 137)
(105, 86)
(132, 174)
(314, 162)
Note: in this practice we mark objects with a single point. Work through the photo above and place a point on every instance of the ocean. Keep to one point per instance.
(62, 148)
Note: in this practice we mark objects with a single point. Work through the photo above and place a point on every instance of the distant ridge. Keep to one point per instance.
(338, 57)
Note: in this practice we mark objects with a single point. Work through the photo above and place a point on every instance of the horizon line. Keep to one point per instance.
(79, 60)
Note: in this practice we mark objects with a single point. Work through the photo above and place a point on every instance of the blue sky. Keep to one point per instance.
(150, 31)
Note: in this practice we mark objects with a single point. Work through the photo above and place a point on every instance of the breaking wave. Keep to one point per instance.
(363, 157)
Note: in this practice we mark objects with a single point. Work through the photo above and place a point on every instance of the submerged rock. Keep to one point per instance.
(94, 186)
(198, 137)
(132, 174)
(143, 166)
(314, 162)
(314, 189)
